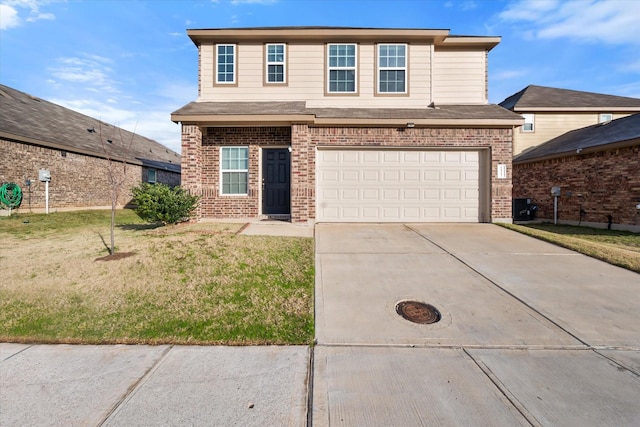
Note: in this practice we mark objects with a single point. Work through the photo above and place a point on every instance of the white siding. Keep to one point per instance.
(306, 78)
(459, 77)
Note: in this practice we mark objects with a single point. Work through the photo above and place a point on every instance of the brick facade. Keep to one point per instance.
(77, 181)
(201, 173)
(598, 184)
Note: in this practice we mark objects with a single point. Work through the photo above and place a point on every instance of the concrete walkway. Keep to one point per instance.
(531, 334)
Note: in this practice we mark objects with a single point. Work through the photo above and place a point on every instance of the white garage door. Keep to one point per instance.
(397, 186)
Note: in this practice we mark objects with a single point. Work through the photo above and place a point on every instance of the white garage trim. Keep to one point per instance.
(399, 185)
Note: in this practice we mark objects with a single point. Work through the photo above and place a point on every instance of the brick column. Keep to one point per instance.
(501, 188)
(301, 195)
(191, 164)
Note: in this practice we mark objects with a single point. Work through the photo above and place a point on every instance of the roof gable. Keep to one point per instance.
(599, 136)
(542, 98)
(30, 119)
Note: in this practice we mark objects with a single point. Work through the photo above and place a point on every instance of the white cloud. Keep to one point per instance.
(598, 21)
(10, 11)
(8, 17)
(90, 69)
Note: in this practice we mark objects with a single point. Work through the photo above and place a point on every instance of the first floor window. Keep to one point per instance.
(528, 123)
(235, 170)
(151, 176)
(342, 62)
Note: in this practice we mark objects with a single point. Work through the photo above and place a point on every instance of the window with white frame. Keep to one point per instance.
(605, 117)
(392, 68)
(276, 63)
(225, 64)
(234, 168)
(151, 176)
(528, 123)
(342, 69)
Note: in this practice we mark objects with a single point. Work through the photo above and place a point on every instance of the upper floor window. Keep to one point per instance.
(528, 123)
(234, 169)
(605, 117)
(226, 64)
(342, 68)
(392, 68)
(276, 63)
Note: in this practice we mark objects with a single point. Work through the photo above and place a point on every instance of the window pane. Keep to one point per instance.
(392, 81)
(275, 73)
(342, 81)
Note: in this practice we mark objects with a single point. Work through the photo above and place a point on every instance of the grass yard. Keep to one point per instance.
(185, 284)
(621, 248)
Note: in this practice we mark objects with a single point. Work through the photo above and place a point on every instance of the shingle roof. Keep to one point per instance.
(626, 129)
(444, 112)
(534, 97)
(27, 118)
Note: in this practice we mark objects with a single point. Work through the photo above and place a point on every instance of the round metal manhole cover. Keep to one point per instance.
(418, 312)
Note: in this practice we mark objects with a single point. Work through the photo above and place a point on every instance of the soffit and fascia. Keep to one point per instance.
(319, 35)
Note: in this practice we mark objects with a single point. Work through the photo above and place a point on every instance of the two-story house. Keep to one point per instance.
(550, 112)
(347, 125)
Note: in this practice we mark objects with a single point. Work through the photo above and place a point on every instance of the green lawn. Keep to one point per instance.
(185, 284)
(621, 248)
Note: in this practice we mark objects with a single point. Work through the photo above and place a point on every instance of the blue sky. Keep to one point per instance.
(130, 63)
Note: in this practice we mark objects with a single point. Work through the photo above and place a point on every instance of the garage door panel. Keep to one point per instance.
(395, 185)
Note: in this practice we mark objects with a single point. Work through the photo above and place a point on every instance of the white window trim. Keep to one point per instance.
(222, 193)
(532, 120)
(155, 176)
(235, 64)
(283, 63)
(354, 68)
(379, 68)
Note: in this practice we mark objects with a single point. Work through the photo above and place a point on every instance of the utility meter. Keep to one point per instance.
(44, 175)
(555, 191)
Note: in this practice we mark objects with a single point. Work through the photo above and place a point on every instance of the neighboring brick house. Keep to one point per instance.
(346, 125)
(550, 112)
(597, 169)
(39, 135)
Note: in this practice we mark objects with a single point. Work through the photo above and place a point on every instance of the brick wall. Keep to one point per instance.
(601, 183)
(499, 141)
(201, 174)
(77, 181)
(215, 205)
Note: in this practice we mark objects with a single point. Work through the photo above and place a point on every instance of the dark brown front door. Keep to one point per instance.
(276, 178)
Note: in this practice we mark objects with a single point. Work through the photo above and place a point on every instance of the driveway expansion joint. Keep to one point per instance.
(501, 288)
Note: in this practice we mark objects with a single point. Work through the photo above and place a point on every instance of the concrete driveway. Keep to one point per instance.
(531, 334)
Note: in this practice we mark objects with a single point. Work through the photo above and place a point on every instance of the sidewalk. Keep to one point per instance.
(117, 385)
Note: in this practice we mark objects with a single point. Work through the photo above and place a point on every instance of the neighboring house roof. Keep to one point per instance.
(246, 112)
(620, 132)
(26, 118)
(541, 98)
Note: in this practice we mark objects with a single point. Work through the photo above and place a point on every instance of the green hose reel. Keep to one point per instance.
(10, 195)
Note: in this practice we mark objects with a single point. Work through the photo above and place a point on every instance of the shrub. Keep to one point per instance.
(161, 203)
